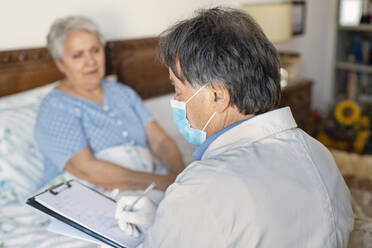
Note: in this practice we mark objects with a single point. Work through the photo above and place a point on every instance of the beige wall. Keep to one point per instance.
(316, 48)
(24, 23)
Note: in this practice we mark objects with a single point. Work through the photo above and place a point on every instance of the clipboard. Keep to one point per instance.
(84, 209)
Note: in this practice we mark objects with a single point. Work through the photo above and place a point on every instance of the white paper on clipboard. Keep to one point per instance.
(60, 227)
(89, 209)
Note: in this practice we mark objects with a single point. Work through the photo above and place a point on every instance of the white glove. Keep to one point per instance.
(142, 214)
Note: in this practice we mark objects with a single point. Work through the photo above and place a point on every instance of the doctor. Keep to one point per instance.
(258, 180)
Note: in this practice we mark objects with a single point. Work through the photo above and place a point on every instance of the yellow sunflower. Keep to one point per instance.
(365, 122)
(347, 112)
(361, 140)
(362, 123)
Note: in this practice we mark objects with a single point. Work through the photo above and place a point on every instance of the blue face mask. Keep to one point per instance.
(193, 136)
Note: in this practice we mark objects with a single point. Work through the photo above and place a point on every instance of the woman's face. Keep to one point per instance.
(83, 60)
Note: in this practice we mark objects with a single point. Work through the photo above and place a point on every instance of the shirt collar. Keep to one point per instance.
(198, 153)
(260, 127)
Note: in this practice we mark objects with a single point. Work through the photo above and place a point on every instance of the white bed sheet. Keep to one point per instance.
(22, 226)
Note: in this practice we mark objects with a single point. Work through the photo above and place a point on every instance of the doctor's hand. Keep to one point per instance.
(142, 214)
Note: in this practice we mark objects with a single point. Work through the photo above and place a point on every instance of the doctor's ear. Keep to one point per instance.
(221, 98)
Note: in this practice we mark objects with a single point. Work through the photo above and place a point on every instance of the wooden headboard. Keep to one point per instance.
(25, 69)
(133, 61)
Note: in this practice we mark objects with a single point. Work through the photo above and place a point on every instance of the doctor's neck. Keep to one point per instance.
(228, 117)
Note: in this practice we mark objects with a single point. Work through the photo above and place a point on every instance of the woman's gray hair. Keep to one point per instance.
(63, 26)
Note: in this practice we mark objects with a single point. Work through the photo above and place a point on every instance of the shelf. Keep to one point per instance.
(354, 67)
(365, 98)
(359, 28)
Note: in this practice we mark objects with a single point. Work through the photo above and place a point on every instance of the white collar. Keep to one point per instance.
(259, 127)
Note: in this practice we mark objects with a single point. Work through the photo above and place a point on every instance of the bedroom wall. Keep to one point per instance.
(24, 24)
(316, 48)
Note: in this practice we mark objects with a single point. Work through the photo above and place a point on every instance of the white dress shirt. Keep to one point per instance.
(263, 183)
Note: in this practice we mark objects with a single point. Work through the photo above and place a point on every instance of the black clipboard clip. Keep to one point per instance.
(56, 189)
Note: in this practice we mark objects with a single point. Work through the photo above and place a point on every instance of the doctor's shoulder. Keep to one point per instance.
(197, 174)
(204, 182)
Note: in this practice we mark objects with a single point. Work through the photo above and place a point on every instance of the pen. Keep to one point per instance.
(130, 208)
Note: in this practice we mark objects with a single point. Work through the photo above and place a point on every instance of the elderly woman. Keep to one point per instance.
(94, 129)
(258, 181)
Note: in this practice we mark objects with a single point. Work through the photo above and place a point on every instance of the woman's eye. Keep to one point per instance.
(76, 56)
(96, 50)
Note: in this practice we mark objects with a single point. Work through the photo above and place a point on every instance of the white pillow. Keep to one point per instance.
(21, 164)
(21, 167)
(25, 98)
(33, 96)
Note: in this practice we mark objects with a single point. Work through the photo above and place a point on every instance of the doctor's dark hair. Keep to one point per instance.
(225, 46)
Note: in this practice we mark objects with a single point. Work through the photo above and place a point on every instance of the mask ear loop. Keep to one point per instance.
(209, 120)
(196, 92)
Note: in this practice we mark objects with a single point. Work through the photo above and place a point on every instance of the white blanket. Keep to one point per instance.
(22, 226)
(129, 156)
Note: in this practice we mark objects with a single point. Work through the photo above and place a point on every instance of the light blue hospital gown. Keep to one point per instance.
(66, 124)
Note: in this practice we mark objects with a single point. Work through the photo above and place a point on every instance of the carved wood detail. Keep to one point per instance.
(25, 69)
(135, 63)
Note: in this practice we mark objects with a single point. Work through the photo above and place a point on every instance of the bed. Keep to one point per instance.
(27, 75)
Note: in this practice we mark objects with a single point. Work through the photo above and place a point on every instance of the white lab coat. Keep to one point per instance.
(263, 183)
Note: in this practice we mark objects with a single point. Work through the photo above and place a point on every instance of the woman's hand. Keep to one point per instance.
(110, 176)
(164, 148)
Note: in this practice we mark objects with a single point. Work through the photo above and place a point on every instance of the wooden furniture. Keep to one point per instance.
(25, 69)
(135, 64)
(297, 95)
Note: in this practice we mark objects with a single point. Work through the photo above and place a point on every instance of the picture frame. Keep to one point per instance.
(298, 17)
